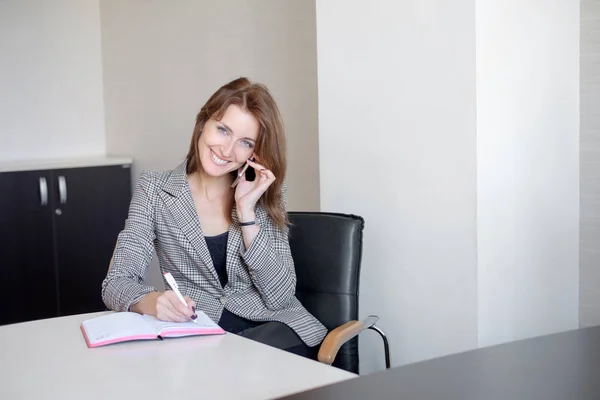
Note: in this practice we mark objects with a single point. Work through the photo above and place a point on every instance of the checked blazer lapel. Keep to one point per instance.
(178, 199)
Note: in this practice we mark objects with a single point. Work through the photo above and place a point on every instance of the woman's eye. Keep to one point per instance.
(247, 144)
(222, 130)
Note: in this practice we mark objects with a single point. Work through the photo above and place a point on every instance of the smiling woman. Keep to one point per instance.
(240, 120)
(226, 245)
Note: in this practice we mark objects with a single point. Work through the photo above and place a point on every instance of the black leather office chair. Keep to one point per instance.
(327, 252)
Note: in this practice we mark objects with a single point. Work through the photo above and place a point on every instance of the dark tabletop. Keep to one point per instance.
(562, 366)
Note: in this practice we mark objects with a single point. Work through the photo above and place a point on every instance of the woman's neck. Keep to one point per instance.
(213, 188)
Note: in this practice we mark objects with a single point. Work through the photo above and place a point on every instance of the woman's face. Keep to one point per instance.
(225, 145)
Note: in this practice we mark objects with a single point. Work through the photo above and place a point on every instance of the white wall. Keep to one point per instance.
(51, 101)
(397, 146)
(589, 249)
(452, 127)
(527, 167)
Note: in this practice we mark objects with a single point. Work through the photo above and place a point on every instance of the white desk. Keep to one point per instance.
(49, 359)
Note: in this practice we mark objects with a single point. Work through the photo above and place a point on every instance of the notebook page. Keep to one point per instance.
(117, 326)
(204, 325)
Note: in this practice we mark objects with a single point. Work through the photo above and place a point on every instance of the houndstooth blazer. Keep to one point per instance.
(261, 280)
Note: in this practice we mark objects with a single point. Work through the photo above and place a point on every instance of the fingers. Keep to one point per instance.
(164, 314)
(169, 306)
(255, 165)
(178, 305)
(265, 179)
(265, 175)
(252, 191)
(191, 303)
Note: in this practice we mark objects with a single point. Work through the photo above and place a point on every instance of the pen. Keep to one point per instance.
(175, 288)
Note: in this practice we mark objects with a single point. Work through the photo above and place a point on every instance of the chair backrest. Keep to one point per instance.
(327, 252)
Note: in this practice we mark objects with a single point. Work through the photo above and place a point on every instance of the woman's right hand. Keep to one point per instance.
(170, 308)
(166, 306)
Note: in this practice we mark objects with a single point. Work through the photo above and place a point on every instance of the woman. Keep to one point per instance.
(226, 247)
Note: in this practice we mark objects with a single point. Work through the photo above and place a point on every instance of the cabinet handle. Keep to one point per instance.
(43, 191)
(62, 189)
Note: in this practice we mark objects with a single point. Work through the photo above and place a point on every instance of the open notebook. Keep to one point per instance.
(126, 326)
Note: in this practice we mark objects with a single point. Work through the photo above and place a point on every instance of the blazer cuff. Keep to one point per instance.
(257, 253)
(140, 292)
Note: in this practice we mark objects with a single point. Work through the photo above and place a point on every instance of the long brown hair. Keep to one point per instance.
(255, 99)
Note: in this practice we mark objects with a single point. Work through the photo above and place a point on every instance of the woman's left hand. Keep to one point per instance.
(248, 193)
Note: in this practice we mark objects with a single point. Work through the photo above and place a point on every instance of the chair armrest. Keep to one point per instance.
(340, 335)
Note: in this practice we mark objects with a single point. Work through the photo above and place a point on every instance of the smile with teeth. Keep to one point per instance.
(217, 160)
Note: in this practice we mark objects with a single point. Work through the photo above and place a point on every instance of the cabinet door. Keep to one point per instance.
(27, 263)
(90, 211)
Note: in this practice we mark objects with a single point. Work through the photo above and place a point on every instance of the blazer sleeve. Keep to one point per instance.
(123, 285)
(270, 264)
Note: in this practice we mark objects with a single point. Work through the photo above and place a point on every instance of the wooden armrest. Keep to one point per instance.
(340, 335)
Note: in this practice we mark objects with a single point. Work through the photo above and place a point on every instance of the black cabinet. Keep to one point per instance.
(58, 229)
(27, 268)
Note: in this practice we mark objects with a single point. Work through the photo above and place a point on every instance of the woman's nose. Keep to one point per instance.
(228, 148)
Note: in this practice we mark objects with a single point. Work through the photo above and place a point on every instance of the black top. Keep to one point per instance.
(217, 246)
(554, 367)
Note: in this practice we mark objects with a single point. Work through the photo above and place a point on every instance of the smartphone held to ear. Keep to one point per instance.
(248, 173)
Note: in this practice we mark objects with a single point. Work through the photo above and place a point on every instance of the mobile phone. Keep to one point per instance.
(250, 174)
